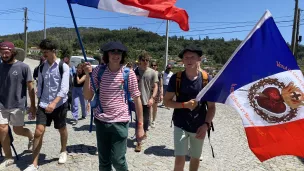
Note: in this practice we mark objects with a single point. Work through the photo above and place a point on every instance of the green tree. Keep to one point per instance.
(19, 43)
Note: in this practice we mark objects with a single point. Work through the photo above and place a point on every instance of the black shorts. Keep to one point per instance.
(58, 116)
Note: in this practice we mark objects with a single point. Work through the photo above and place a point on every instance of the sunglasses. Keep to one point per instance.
(154, 65)
(116, 52)
(145, 60)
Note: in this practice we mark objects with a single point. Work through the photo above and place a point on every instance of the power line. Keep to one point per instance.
(9, 12)
(125, 16)
(12, 10)
(235, 22)
(11, 19)
(227, 24)
(60, 16)
(235, 31)
(222, 28)
(159, 26)
(195, 30)
(126, 25)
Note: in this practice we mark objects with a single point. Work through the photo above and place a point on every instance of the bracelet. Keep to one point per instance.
(139, 123)
(183, 104)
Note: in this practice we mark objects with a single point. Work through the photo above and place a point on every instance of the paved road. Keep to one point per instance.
(228, 140)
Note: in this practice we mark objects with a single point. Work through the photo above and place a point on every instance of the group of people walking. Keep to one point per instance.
(116, 89)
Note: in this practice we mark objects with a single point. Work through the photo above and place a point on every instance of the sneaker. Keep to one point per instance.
(6, 163)
(63, 157)
(201, 158)
(138, 147)
(30, 144)
(153, 124)
(31, 168)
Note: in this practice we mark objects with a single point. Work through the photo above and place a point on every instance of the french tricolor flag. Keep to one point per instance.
(162, 9)
(263, 82)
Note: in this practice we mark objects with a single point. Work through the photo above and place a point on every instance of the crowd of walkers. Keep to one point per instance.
(117, 89)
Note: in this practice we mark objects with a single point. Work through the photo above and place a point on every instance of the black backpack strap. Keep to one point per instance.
(61, 68)
(42, 82)
(41, 67)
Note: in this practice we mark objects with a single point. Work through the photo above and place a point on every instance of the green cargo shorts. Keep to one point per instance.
(181, 140)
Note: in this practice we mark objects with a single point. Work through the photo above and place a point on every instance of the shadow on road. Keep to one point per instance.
(160, 151)
(84, 128)
(131, 143)
(82, 148)
(25, 159)
(301, 159)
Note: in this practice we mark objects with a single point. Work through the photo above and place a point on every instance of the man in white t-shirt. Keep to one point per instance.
(167, 74)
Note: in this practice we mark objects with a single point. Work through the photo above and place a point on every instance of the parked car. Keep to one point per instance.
(75, 60)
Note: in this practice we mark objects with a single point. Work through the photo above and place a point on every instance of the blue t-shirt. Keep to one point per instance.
(184, 118)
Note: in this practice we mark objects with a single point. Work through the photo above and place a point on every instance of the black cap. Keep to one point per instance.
(114, 45)
(191, 48)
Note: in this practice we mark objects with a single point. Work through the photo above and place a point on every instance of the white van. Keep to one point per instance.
(75, 60)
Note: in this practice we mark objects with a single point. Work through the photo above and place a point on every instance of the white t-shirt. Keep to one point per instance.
(167, 77)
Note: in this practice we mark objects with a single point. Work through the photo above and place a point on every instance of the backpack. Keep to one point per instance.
(95, 103)
(205, 80)
(60, 71)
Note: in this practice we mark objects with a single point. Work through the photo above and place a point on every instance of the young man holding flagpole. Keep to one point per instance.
(191, 119)
(112, 115)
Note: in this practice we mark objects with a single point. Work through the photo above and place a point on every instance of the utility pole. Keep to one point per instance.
(25, 30)
(167, 43)
(297, 34)
(44, 19)
(294, 29)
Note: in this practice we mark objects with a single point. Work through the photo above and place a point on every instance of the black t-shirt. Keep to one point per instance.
(184, 118)
(75, 80)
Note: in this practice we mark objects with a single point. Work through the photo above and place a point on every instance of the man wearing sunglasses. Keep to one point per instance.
(15, 76)
(147, 83)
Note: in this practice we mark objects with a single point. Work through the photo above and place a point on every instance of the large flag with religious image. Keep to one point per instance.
(162, 9)
(263, 82)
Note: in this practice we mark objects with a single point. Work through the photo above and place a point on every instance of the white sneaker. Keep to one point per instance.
(6, 163)
(63, 157)
(30, 144)
(31, 168)
(201, 158)
(153, 124)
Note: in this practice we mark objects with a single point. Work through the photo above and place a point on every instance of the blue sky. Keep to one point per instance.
(213, 18)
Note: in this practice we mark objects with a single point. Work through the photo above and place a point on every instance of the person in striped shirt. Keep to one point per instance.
(113, 122)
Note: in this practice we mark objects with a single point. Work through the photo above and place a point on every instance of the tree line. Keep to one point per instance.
(217, 51)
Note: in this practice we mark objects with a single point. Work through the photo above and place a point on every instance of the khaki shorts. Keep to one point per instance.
(13, 117)
(181, 139)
